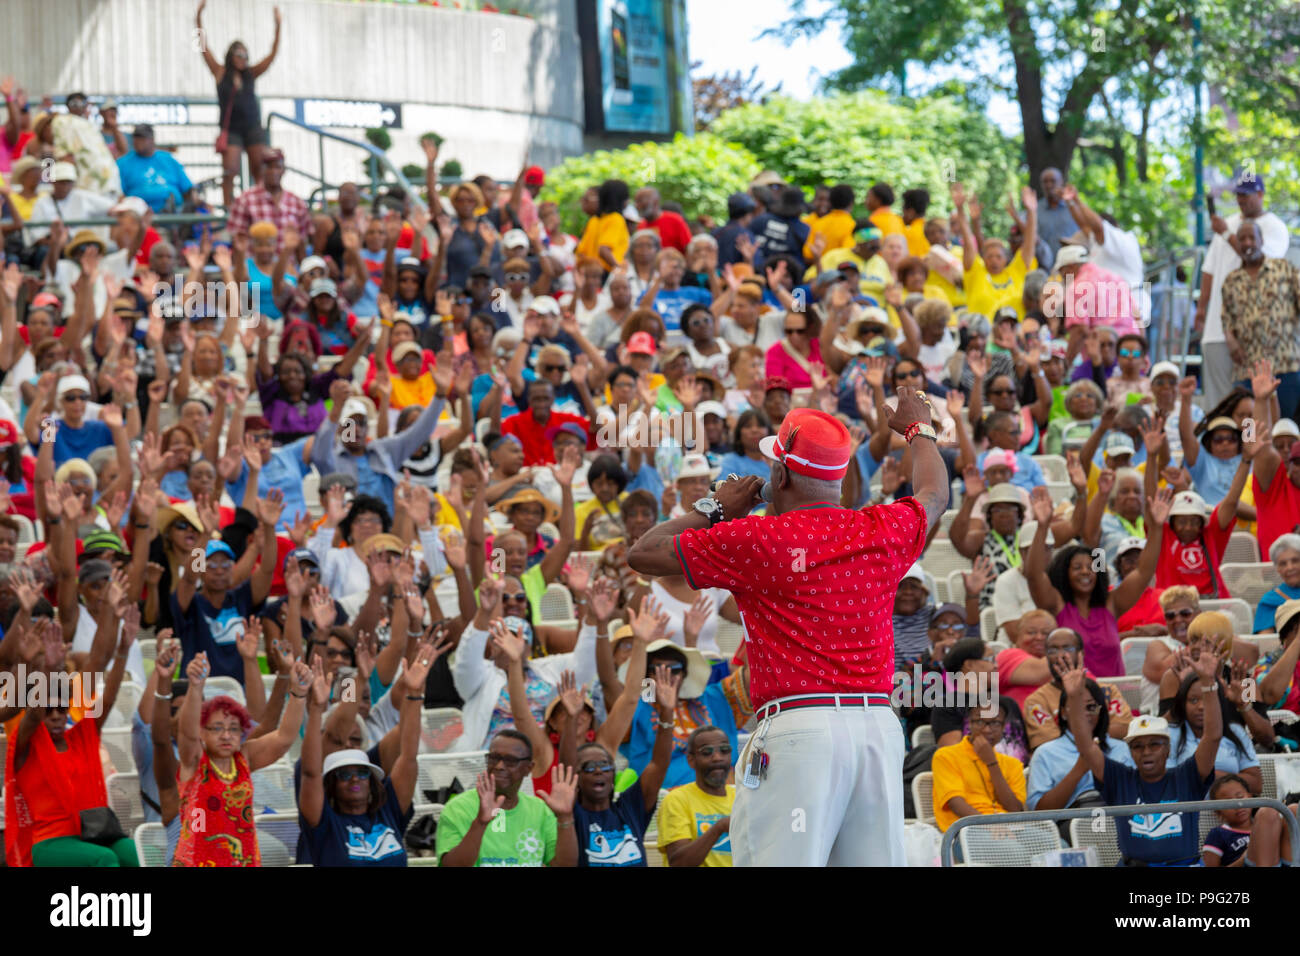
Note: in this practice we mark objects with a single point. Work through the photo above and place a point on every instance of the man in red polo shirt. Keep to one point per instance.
(821, 777)
(673, 231)
(1277, 493)
(530, 427)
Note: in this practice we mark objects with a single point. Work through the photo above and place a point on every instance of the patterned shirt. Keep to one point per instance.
(1263, 314)
(256, 204)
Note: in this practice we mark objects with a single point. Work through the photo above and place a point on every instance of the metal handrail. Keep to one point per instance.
(377, 158)
(1166, 269)
(1127, 810)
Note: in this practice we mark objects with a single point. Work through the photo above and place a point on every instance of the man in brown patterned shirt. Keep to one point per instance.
(1261, 316)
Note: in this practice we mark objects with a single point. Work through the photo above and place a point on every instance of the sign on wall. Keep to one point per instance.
(359, 114)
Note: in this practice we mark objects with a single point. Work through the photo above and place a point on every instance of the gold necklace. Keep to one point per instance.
(223, 776)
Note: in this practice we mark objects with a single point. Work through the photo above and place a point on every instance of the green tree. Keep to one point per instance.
(699, 172)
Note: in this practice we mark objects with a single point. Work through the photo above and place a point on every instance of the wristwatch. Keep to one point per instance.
(711, 509)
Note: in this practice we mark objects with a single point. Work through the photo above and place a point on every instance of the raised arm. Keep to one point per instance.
(311, 795)
(214, 65)
(1129, 590)
(265, 751)
(1040, 588)
(1030, 236)
(1207, 668)
(929, 473)
(966, 539)
(1191, 447)
(553, 563)
(1075, 691)
(265, 64)
(968, 248)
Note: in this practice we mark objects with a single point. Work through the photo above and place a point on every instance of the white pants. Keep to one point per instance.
(833, 795)
(1216, 372)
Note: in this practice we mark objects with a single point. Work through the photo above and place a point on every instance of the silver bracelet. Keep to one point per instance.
(159, 696)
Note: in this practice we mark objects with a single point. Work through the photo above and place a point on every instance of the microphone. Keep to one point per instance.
(766, 493)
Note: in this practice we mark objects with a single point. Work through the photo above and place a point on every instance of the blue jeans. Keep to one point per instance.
(1288, 392)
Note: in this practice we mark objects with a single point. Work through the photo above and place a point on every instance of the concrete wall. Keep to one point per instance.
(488, 83)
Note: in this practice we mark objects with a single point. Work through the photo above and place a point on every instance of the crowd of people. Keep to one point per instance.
(346, 459)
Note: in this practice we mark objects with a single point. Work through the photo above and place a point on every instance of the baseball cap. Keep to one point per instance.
(384, 541)
(1164, 368)
(323, 287)
(1130, 544)
(1027, 532)
(63, 173)
(641, 343)
(810, 443)
(866, 234)
(1285, 426)
(348, 482)
(777, 383)
(404, 349)
(1247, 182)
(480, 272)
(711, 408)
(410, 264)
(1144, 725)
(131, 204)
(1060, 348)
(534, 176)
(917, 573)
(101, 540)
(694, 466)
(73, 383)
(1001, 457)
(571, 428)
(9, 433)
(303, 556)
(1283, 615)
(545, 305)
(141, 129)
(350, 758)
(355, 407)
(1117, 443)
(514, 237)
(946, 609)
(1188, 503)
(740, 204)
(674, 353)
(1006, 314)
(216, 546)
(1071, 256)
(311, 262)
(94, 570)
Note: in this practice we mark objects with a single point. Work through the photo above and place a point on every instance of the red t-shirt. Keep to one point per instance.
(1008, 661)
(1277, 510)
(816, 589)
(537, 450)
(672, 230)
(1147, 610)
(1191, 564)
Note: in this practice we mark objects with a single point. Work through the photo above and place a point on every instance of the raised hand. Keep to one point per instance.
(509, 646)
(875, 370)
(417, 672)
(488, 801)
(564, 789)
(300, 679)
(1187, 388)
(564, 472)
(168, 654)
(198, 670)
(1105, 482)
(1040, 502)
(571, 696)
(323, 612)
(1262, 382)
(489, 593)
(1072, 681)
(248, 642)
(695, 618)
(667, 686)
(1078, 477)
(335, 508)
(453, 546)
(367, 651)
(1153, 436)
(978, 363)
(980, 575)
(974, 481)
(1159, 505)
(603, 598)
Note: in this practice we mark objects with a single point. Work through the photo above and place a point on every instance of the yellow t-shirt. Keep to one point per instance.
(418, 392)
(917, 244)
(874, 272)
(607, 230)
(888, 222)
(956, 297)
(688, 811)
(22, 204)
(959, 773)
(986, 293)
(606, 528)
(836, 226)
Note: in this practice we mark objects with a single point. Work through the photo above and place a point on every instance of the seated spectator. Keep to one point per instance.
(1197, 538)
(971, 777)
(1157, 838)
(668, 296)
(1246, 837)
(797, 356)
(996, 540)
(1285, 555)
(947, 627)
(1063, 650)
(1180, 604)
(530, 426)
(912, 611)
(1003, 433)
(1059, 777)
(1213, 460)
(1011, 597)
(1146, 618)
(152, 174)
(530, 831)
(1278, 674)
(695, 819)
(746, 458)
(1083, 401)
(1023, 669)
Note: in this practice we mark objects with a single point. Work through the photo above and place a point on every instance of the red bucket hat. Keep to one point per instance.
(810, 443)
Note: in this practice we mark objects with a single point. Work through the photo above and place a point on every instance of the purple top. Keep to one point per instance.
(1100, 633)
(292, 420)
(1085, 371)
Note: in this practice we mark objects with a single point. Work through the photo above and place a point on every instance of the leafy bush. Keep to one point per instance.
(451, 169)
(379, 138)
(699, 172)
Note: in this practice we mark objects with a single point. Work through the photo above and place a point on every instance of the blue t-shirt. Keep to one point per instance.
(368, 305)
(1213, 476)
(713, 708)
(154, 179)
(284, 471)
(1050, 764)
(347, 839)
(1028, 473)
(261, 290)
(1266, 611)
(1158, 838)
(371, 482)
(744, 465)
(214, 630)
(671, 304)
(70, 443)
(1231, 844)
(613, 837)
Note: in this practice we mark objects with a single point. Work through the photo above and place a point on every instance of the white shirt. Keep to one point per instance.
(84, 639)
(1121, 253)
(1221, 260)
(771, 327)
(585, 315)
(707, 643)
(934, 358)
(78, 204)
(1011, 597)
(67, 272)
(716, 363)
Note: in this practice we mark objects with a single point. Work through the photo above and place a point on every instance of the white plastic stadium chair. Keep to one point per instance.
(1267, 643)
(1055, 468)
(1083, 835)
(1250, 582)
(1268, 770)
(1243, 548)
(311, 492)
(557, 606)
(1008, 844)
(941, 559)
(217, 686)
(151, 844)
(923, 796)
(997, 647)
(418, 812)
(938, 588)
(440, 727)
(26, 530)
(1242, 614)
(117, 741)
(1134, 650)
(124, 799)
(922, 736)
(439, 770)
(128, 700)
(273, 789)
(945, 522)
(989, 629)
(1275, 716)
(1130, 686)
(277, 838)
(1060, 491)
(730, 636)
(956, 588)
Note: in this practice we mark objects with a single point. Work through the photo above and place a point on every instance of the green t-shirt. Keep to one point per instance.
(524, 836)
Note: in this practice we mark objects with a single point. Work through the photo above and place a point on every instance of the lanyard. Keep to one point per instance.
(1134, 529)
(1012, 555)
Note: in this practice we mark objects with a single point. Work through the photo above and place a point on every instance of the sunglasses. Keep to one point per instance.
(348, 774)
(674, 667)
(596, 767)
(908, 373)
(1174, 615)
(521, 596)
(516, 276)
(798, 331)
(547, 369)
(1130, 353)
(180, 524)
(261, 436)
(79, 397)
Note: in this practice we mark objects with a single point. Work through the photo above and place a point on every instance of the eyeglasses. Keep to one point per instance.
(510, 762)
(1184, 612)
(948, 628)
(596, 767)
(987, 721)
(368, 517)
(261, 436)
(709, 751)
(1059, 651)
(1002, 391)
(234, 730)
(1223, 438)
(547, 369)
(348, 774)
(1130, 353)
(516, 276)
(78, 397)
